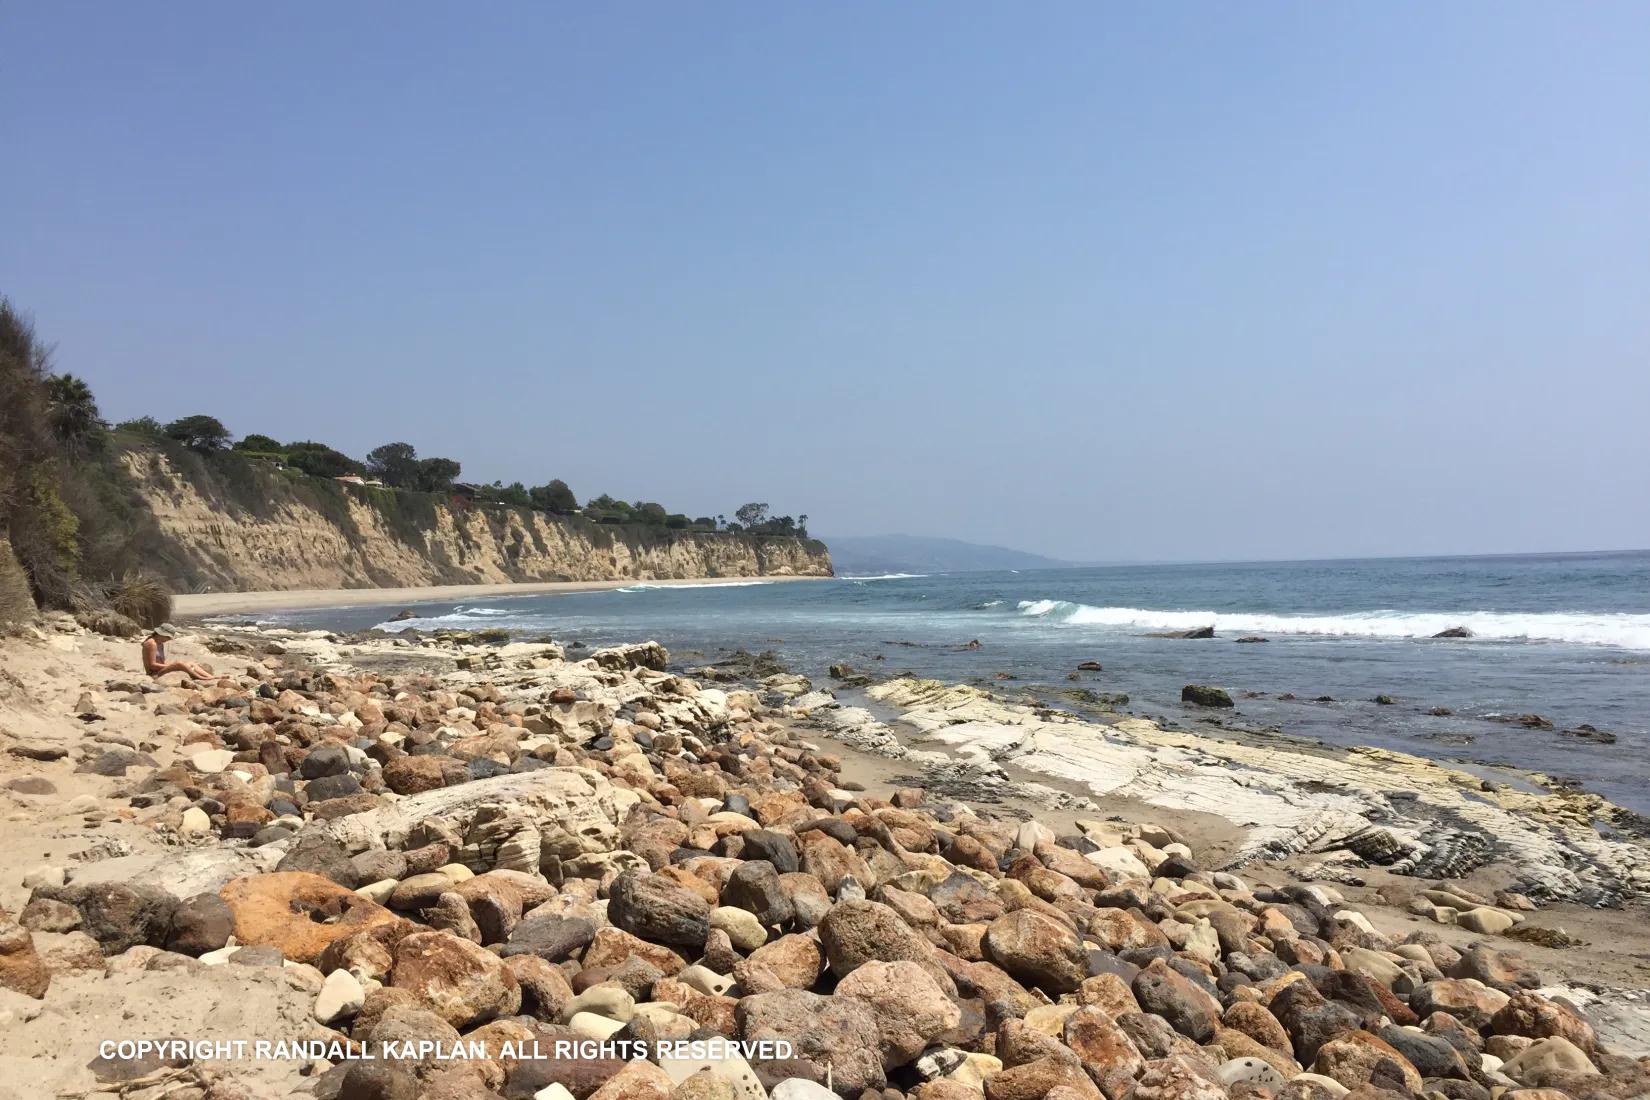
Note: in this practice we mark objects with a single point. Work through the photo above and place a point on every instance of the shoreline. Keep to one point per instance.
(195, 606)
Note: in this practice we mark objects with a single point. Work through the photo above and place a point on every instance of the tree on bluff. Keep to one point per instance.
(555, 498)
(259, 444)
(436, 475)
(320, 460)
(201, 433)
(395, 464)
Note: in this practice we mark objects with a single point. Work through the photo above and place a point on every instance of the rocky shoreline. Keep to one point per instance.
(459, 871)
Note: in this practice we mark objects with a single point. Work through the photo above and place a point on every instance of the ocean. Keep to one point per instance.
(1562, 636)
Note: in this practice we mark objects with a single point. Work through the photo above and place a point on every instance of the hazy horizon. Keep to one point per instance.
(826, 537)
(1197, 284)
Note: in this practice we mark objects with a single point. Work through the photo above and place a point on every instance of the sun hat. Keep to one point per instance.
(165, 630)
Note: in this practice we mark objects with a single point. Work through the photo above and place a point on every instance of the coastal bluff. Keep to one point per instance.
(251, 527)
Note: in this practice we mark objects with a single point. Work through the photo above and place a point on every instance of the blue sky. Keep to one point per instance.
(1100, 281)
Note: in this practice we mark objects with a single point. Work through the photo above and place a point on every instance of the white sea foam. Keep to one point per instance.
(885, 577)
(1575, 627)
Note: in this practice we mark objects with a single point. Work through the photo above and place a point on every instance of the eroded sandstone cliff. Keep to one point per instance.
(239, 525)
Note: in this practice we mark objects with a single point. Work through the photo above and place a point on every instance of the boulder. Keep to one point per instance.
(21, 968)
(298, 913)
(1038, 950)
(1472, 1002)
(856, 932)
(1357, 1058)
(1189, 1010)
(839, 1032)
(118, 915)
(654, 908)
(909, 1006)
(203, 923)
(461, 982)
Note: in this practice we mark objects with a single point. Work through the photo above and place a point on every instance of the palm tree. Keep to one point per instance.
(72, 410)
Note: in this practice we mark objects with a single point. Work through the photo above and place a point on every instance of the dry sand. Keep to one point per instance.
(200, 605)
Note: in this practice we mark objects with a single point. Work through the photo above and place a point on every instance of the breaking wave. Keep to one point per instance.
(1576, 627)
(457, 617)
(885, 577)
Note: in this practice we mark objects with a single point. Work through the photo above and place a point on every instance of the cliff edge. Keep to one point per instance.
(243, 525)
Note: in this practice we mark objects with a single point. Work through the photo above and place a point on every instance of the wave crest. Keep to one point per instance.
(1623, 630)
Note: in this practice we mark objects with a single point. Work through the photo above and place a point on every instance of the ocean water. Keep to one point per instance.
(1564, 636)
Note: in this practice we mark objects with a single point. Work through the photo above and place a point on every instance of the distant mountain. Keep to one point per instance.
(869, 555)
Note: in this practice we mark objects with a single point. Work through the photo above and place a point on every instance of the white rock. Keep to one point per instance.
(380, 891)
(553, 1092)
(195, 821)
(341, 995)
(1355, 919)
(800, 1088)
(732, 1069)
(1243, 1070)
(706, 980)
(592, 1026)
(1118, 863)
(742, 927)
(610, 1001)
(211, 761)
(46, 875)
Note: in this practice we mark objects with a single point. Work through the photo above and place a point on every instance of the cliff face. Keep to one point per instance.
(230, 524)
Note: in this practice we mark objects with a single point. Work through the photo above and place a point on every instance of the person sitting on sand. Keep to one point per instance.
(154, 656)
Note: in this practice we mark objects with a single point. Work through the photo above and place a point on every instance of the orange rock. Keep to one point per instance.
(298, 912)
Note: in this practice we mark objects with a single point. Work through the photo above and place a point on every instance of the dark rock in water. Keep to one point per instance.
(1454, 632)
(1586, 732)
(1205, 696)
(403, 616)
(1383, 700)
(1324, 699)
(1251, 639)
(1528, 721)
(1440, 712)
(975, 644)
(1090, 666)
(1195, 632)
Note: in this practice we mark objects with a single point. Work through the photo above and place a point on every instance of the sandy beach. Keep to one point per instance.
(201, 605)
